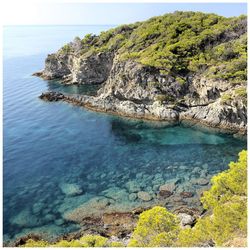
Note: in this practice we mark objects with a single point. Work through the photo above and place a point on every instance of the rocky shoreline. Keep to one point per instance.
(116, 226)
(156, 111)
(97, 216)
(201, 83)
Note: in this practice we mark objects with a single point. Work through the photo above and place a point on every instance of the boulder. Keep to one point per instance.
(170, 187)
(116, 193)
(132, 197)
(25, 219)
(52, 96)
(186, 219)
(71, 189)
(132, 187)
(164, 194)
(119, 222)
(144, 196)
(201, 181)
(92, 208)
(186, 194)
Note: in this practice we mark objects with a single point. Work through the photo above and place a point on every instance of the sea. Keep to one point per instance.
(58, 157)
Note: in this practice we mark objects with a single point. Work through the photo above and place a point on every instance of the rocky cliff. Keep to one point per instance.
(180, 67)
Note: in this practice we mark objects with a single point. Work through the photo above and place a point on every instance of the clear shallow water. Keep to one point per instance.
(52, 149)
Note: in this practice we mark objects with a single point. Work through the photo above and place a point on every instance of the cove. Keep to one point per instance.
(58, 157)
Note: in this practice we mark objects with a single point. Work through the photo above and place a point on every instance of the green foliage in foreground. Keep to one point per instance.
(85, 241)
(226, 201)
(156, 228)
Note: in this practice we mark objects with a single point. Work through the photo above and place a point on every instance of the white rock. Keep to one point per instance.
(186, 219)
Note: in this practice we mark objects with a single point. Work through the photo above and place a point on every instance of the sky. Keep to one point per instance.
(69, 13)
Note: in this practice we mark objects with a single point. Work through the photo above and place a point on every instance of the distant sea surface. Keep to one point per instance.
(58, 156)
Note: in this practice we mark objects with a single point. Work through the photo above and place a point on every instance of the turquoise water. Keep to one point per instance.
(58, 156)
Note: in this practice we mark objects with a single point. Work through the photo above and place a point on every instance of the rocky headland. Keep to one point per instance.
(180, 67)
(185, 67)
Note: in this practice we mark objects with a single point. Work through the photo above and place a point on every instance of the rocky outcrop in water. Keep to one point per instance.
(208, 91)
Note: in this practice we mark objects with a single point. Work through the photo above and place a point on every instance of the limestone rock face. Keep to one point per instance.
(130, 88)
(91, 70)
(57, 66)
(130, 80)
(73, 68)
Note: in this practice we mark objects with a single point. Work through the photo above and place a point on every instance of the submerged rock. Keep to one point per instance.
(132, 187)
(132, 197)
(186, 194)
(200, 181)
(94, 207)
(144, 196)
(71, 189)
(59, 222)
(116, 194)
(37, 207)
(164, 194)
(170, 187)
(25, 219)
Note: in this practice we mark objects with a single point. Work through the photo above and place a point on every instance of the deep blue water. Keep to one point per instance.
(50, 145)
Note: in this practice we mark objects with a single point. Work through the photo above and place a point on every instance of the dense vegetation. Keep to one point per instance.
(179, 44)
(224, 225)
(227, 200)
(85, 241)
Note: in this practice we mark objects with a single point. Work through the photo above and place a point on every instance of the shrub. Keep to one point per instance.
(153, 84)
(228, 184)
(116, 244)
(63, 243)
(85, 241)
(241, 92)
(66, 48)
(227, 199)
(226, 98)
(180, 80)
(156, 228)
(177, 44)
(93, 241)
(33, 243)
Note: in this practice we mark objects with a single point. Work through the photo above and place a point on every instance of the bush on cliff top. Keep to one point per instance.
(180, 43)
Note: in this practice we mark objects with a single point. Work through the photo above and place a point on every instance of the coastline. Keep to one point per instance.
(172, 107)
(175, 118)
